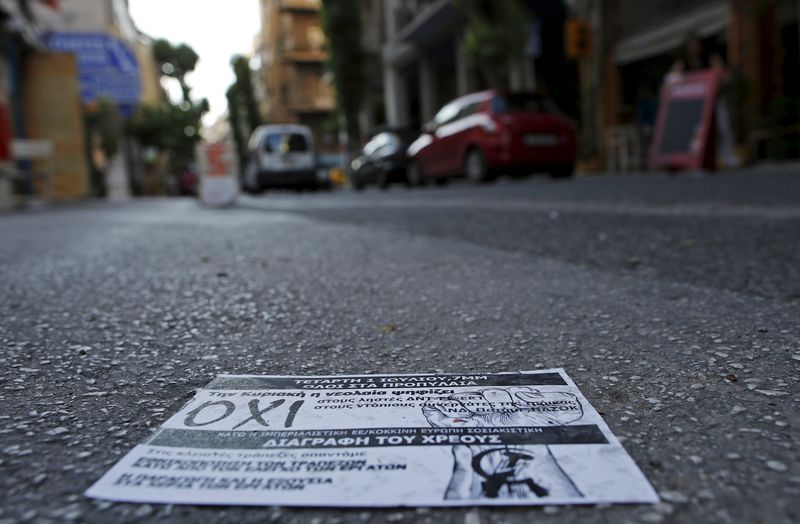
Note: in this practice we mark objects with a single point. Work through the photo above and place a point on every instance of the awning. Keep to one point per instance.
(15, 21)
(432, 23)
(400, 54)
(669, 35)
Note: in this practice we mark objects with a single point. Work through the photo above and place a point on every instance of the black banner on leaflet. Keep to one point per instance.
(386, 381)
(378, 437)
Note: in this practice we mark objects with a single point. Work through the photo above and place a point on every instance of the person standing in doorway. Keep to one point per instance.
(725, 138)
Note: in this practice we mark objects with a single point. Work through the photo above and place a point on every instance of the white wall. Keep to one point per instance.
(97, 16)
(86, 15)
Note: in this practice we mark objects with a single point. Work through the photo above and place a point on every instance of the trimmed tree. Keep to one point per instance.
(341, 21)
(171, 127)
(176, 61)
(243, 113)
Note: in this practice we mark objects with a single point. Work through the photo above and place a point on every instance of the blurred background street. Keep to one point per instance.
(685, 339)
(403, 186)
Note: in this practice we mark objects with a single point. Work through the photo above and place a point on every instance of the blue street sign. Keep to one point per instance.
(106, 66)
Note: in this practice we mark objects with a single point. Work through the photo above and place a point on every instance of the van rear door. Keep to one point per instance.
(298, 151)
(287, 150)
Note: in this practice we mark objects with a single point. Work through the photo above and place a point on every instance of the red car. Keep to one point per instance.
(494, 132)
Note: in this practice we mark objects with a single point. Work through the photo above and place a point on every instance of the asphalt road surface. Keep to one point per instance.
(674, 304)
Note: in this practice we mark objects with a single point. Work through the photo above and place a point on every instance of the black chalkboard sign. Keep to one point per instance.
(684, 136)
(683, 120)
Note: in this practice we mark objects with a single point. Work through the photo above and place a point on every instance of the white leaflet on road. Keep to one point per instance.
(527, 438)
(219, 191)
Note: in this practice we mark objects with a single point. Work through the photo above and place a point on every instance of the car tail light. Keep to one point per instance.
(506, 119)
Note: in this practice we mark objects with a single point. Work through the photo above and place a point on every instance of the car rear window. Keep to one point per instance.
(272, 142)
(523, 103)
(382, 144)
(297, 143)
(285, 143)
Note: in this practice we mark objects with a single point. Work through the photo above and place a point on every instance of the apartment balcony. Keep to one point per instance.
(305, 56)
(300, 5)
(311, 98)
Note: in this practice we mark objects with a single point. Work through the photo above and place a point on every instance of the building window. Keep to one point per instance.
(316, 37)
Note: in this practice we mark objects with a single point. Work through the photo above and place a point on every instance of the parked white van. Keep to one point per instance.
(281, 155)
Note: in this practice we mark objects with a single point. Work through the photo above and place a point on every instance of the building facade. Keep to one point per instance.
(42, 114)
(116, 176)
(757, 39)
(373, 37)
(612, 86)
(426, 62)
(42, 153)
(291, 69)
(112, 17)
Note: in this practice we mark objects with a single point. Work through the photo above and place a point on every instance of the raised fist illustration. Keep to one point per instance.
(519, 472)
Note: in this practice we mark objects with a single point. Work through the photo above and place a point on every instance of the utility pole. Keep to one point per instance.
(587, 48)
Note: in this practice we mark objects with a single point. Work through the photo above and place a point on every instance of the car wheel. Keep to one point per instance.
(442, 181)
(383, 180)
(256, 189)
(563, 171)
(414, 174)
(406, 181)
(475, 168)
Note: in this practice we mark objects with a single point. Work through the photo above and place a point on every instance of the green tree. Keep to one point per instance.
(235, 122)
(495, 34)
(341, 21)
(171, 127)
(102, 123)
(243, 114)
(176, 61)
(246, 94)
